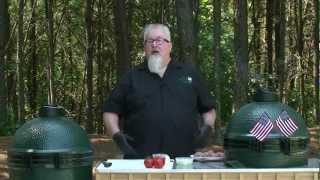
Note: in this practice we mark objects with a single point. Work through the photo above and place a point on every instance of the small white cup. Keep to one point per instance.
(184, 162)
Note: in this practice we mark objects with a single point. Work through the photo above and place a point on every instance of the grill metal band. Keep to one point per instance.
(286, 146)
(49, 160)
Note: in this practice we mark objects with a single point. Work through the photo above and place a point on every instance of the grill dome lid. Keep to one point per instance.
(276, 149)
(50, 132)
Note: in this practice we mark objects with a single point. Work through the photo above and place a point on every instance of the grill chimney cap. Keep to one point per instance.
(265, 95)
(51, 111)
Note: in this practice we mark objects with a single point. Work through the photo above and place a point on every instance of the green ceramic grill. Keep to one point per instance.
(50, 147)
(266, 134)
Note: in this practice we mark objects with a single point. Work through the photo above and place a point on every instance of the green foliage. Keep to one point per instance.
(70, 54)
(205, 54)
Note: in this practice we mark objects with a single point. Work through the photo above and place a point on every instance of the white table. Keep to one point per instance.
(138, 172)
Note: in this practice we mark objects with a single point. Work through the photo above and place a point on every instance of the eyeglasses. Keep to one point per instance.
(158, 41)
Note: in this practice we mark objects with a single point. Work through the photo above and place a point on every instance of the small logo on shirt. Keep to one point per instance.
(186, 80)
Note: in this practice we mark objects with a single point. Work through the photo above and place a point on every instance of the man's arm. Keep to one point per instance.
(202, 136)
(111, 123)
(209, 117)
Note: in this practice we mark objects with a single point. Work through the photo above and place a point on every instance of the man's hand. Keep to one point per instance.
(122, 142)
(201, 138)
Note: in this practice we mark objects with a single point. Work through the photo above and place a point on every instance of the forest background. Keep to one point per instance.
(71, 53)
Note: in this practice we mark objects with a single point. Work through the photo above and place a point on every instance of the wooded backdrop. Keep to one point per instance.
(71, 53)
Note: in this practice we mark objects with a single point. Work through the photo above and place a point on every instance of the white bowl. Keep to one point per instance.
(184, 161)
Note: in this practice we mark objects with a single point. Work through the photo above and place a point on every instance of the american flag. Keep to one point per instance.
(263, 127)
(286, 125)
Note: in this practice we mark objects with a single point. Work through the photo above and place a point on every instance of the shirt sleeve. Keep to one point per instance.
(116, 101)
(205, 101)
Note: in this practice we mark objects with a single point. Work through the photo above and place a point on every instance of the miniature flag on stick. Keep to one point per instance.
(286, 125)
(262, 128)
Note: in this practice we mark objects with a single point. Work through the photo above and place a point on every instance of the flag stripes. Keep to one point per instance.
(262, 128)
(285, 124)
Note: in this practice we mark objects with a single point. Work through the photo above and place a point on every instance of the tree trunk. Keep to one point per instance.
(4, 38)
(50, 65)
(11, 78)
(280, 34)
(300, 48)
(218, 139)
(100, 66)
(32, 76)
(257, 13)
(163, 5)
(196, 25)
(269, 40)
(20, 64)
(241, 53)
(74, 85)
(291, 34)
(121, 29)
(185, 21)
(317, 58)
(130, 25)
(89, 65)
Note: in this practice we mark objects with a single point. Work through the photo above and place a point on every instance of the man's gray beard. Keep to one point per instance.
(155, 64)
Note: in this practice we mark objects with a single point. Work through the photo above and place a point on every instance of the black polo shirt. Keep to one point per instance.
(161, 114)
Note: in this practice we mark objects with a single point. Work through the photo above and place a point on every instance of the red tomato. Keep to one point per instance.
(158, 162)
(148, 162)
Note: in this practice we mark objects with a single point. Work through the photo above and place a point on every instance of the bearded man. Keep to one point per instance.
(164, 104)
